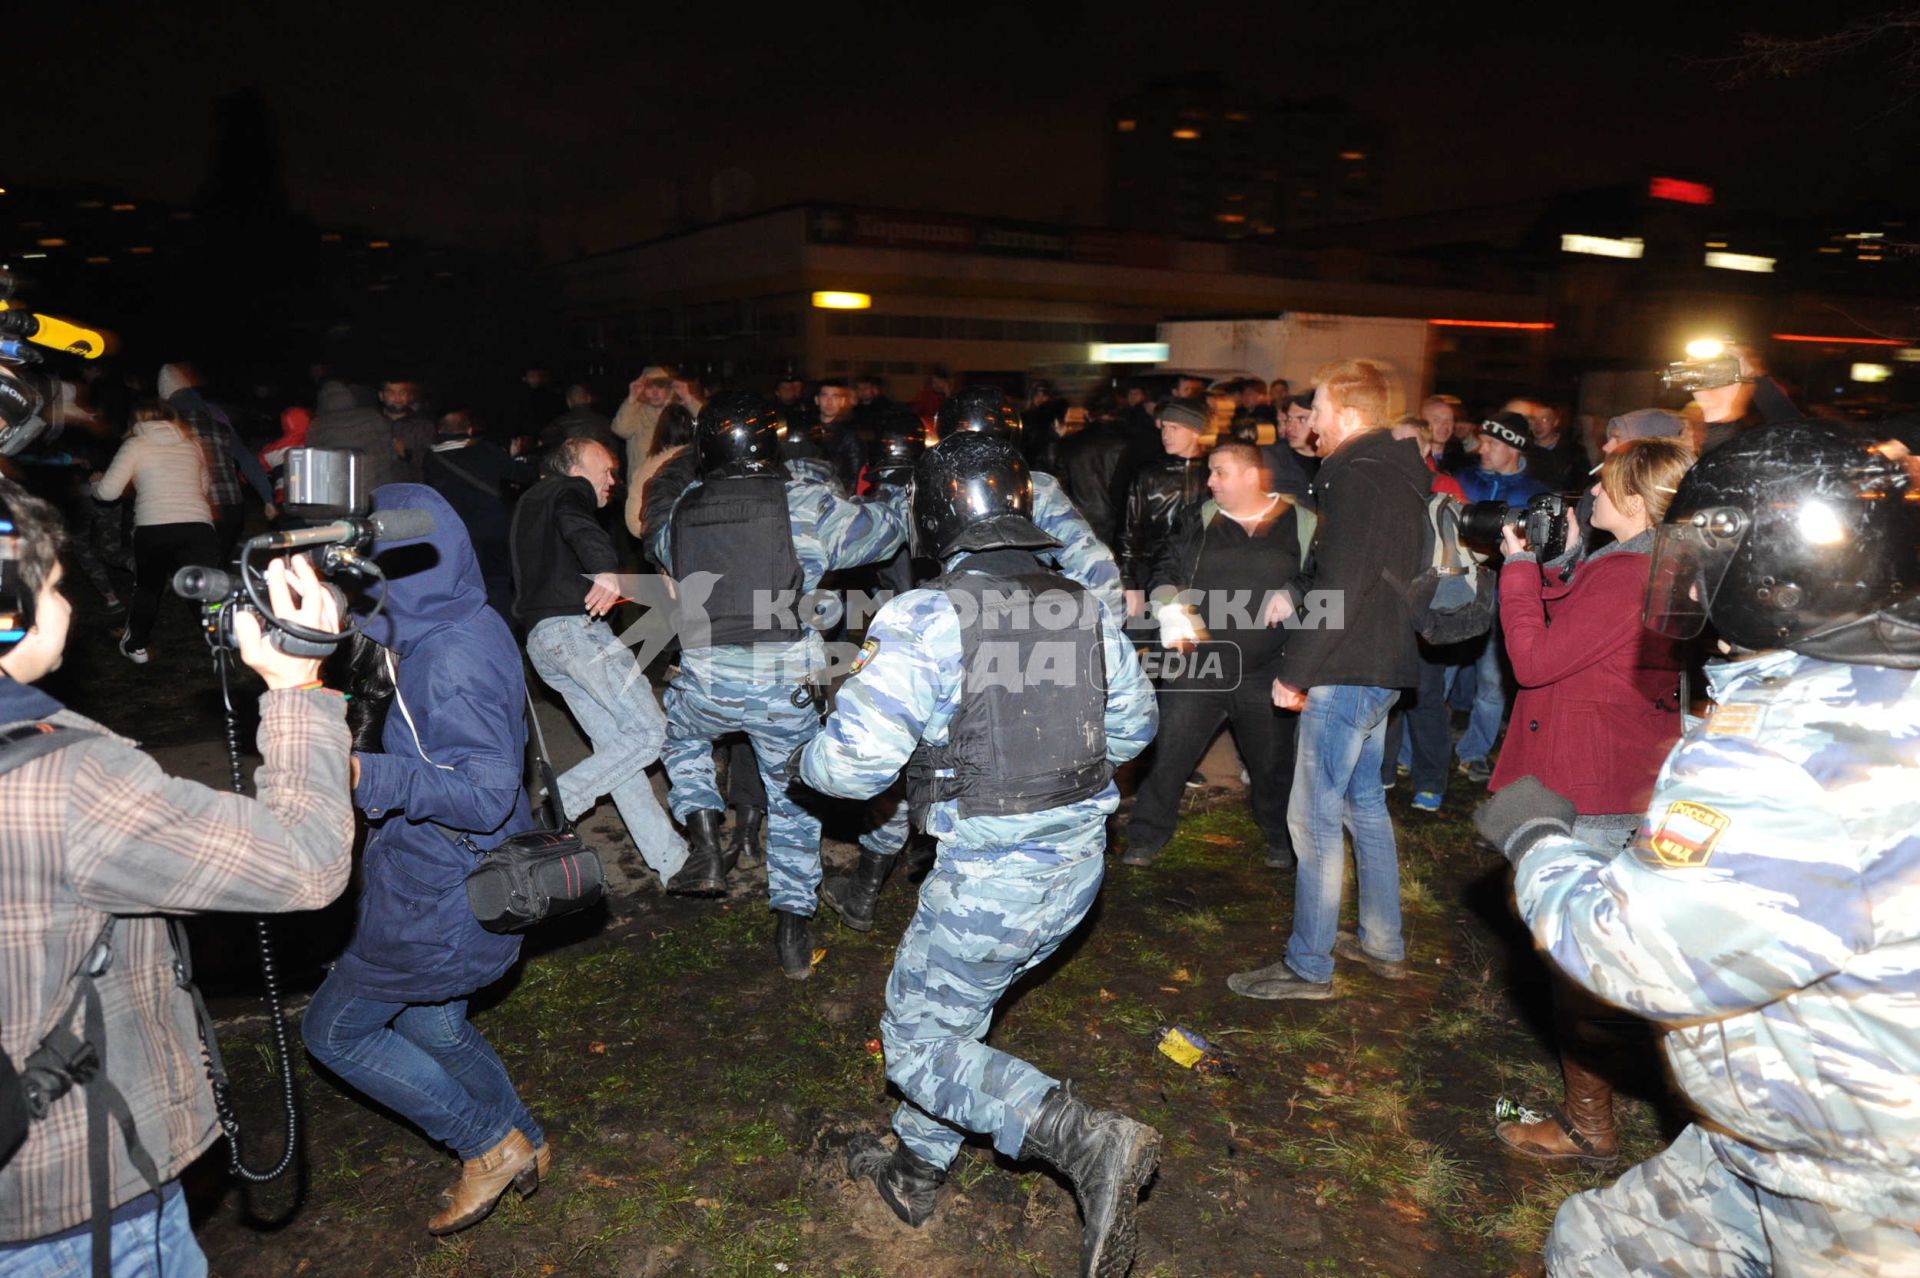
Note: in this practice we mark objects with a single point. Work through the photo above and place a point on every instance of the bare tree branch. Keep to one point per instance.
(1894, 34)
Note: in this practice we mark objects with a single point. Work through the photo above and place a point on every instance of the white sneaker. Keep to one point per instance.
(138, 656)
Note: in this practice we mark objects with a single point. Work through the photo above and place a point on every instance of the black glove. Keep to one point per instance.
(1522, 814)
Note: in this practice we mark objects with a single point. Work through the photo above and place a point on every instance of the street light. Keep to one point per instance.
(835, 300)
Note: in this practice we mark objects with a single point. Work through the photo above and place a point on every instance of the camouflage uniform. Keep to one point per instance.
(1081, 556)
(751, 688)
(1005, 892)
(1768, 913)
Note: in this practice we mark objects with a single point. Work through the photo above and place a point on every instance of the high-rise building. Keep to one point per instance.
(1204, 158)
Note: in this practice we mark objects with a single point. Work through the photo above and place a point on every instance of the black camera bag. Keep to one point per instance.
(538, 874)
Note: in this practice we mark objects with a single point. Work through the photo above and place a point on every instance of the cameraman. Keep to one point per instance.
(95, 830)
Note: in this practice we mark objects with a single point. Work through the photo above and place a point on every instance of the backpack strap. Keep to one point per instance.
(25, 742)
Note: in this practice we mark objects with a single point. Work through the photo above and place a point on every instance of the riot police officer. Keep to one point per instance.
(745, 545)
(1765, 911)
(1078, 553)
(1009, 696)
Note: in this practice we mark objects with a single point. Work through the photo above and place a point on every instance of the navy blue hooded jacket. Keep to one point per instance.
(464, 695)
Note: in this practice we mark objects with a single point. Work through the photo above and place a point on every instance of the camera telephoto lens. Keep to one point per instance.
(1481, 521)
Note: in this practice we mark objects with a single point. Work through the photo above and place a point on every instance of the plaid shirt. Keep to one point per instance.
(97, 829)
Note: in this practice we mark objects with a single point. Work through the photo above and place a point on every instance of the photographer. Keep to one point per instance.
(1597, 711)
(95, 830)
(391, 1018)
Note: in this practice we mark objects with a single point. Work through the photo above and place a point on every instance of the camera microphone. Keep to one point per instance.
(52, 332)
(382, 525)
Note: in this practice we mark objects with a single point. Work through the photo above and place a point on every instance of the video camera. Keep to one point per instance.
(324, 490)
(23, 394)
(1542, 523)
(1710, 364)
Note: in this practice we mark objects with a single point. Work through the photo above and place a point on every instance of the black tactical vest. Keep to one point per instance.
(739, 528)
(1030, 733)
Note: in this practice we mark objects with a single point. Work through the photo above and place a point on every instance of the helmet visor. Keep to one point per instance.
(1690, 559)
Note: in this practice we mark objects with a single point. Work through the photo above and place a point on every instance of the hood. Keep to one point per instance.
(335, 397)
(20, 702)
(433, 582)
(162, 430)
(294, 422)
(1404, 455)
(174, 378)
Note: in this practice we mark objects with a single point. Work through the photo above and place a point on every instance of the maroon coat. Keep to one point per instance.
(1598, 706)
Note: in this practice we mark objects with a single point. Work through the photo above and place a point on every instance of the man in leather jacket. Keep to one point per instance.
(1161, 492)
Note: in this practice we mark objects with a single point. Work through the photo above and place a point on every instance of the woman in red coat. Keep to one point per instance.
(1597, 713)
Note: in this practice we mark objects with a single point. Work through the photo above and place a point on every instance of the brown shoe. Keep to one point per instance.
(542, 1159)
(1582, 1129)
(1554, 1139)
(512, 1164)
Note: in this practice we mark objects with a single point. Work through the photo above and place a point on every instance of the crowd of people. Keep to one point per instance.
(1193, 556)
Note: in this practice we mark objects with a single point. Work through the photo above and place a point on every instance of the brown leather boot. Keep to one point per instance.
(483, 1181)
(1582, 1129)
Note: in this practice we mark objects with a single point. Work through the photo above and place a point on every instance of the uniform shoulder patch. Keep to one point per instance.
(1685, 836)
(866, 654)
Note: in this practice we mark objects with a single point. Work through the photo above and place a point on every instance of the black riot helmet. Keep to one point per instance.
(972, 492)
(738, 433)
(1784, 537)
(981, 410)
(901, 438)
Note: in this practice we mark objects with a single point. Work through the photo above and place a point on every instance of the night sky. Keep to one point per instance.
(579, 126)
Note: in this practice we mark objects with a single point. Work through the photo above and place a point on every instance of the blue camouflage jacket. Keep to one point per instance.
(905, 690)
(1768, 914)
(1082, 555)
(829, 532)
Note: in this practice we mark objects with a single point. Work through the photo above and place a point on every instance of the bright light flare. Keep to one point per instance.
(836, 300)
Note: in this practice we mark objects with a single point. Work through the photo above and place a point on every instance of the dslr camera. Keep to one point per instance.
(326, 494)
(1542, 523)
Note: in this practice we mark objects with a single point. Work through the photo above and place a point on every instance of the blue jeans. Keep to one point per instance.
(423, 1061)
(139, 1243)
(1336, 785)
(1489, 699)
(605, 688)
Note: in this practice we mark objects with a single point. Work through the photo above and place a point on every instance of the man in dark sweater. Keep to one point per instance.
(1219, 656)
(478, 478)
(564, 569)
(1349, 653)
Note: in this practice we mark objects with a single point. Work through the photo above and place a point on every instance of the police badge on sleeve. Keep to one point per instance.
(1686, 835)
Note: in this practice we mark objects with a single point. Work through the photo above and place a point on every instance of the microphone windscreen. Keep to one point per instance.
(400, 525)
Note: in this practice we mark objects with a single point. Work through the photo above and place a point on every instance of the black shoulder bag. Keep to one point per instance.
(539, 874)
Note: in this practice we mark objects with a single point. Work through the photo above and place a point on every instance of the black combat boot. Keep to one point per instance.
(744, 848)
(920, 854)
(705, 873)
(907, 1182)
(1108, 1157)
(852, 896)
(793, 945)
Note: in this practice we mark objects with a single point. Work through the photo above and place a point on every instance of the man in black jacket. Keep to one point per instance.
(1099, 462)
(564, 568)
(1161, 492)
(1220, 656)
(1351, 651)
(478, 479)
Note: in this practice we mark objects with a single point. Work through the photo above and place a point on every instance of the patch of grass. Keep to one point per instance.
(1197, 922)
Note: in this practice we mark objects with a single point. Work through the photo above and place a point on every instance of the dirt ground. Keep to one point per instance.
(698, 1103)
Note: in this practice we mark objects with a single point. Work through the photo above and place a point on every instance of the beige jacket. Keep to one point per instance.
(167, 467)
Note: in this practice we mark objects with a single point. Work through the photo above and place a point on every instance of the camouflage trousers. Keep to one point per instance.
(700, 710)
(1684, 1213)
(981, 923)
